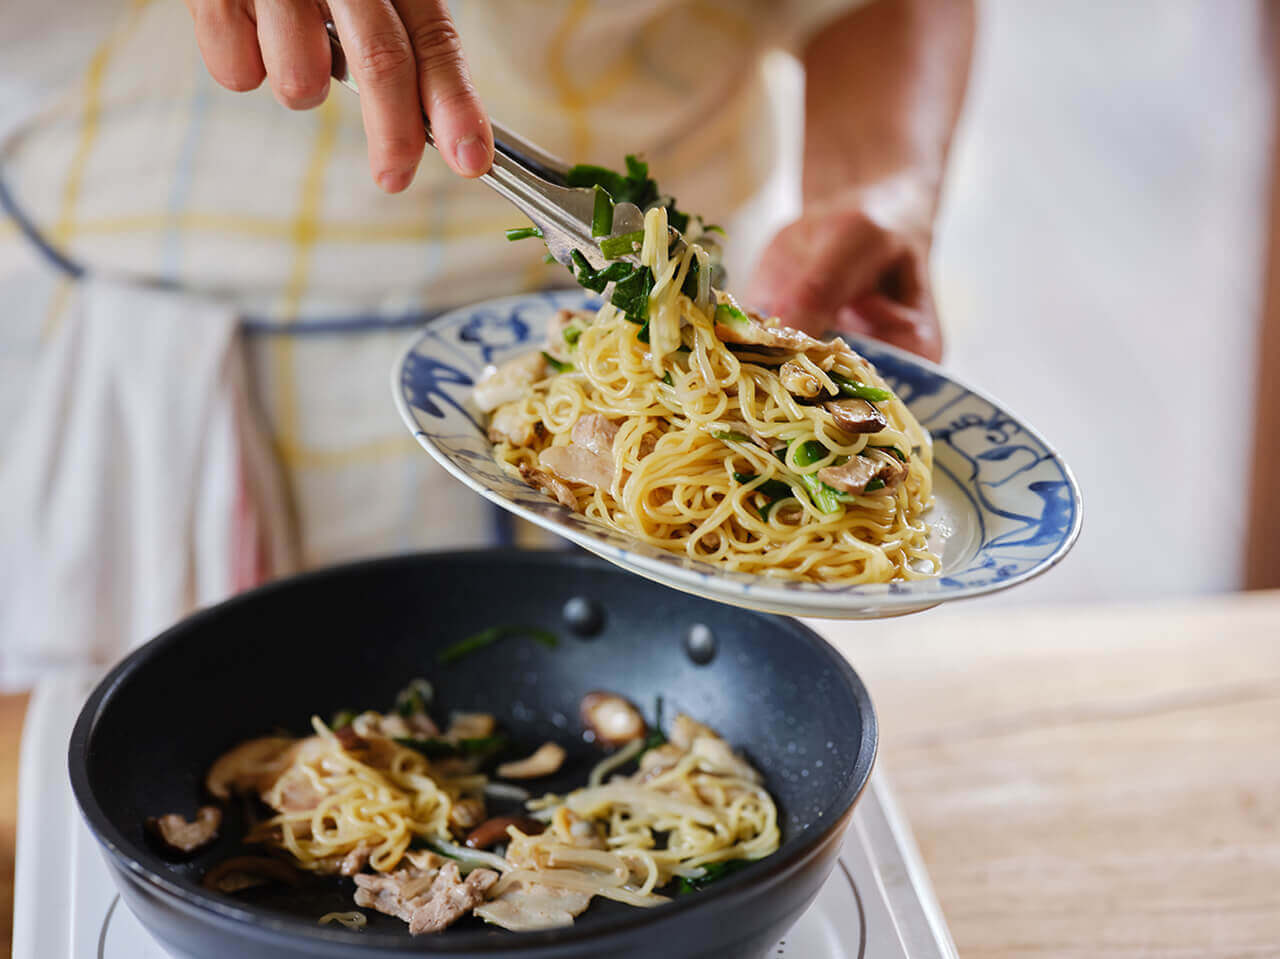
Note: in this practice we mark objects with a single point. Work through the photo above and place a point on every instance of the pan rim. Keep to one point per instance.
(262, 924)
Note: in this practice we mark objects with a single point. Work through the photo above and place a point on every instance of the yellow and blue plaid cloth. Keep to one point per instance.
(121, 159)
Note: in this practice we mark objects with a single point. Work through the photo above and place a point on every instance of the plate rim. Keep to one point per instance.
(761, 597)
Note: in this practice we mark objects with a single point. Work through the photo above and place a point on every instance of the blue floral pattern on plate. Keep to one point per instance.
(1006, 506)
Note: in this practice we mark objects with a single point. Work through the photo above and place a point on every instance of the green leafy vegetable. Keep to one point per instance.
(341, 719)
(731, 436)
(572, 334)
(631, 293)
(774, 490)
(487, 637)
(642, 334)
(436, 748)
(855, 390)
(634, 186)
(873, 484)
(666, 378)
(617, 246)
(523, 233)
(602, 214)
(558, 365)
(710, 873)
(690, 285)
(596, 280)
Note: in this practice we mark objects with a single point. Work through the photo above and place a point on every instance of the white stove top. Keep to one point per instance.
(877, 904)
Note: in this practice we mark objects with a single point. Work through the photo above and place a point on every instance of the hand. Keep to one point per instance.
(405, 55)
(858, 264)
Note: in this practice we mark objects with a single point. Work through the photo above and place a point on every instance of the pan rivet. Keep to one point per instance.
(700, 644)
(583, 616)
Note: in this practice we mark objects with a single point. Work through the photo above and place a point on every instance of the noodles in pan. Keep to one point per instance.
(402, 808)
(677, 418)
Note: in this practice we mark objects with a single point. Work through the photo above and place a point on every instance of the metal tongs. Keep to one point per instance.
(537, 183)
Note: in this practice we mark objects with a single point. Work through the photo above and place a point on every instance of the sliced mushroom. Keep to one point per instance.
(755, 330)
(612, 719)
(182, 836)
(853, 476)
(547, 760)
(507, 383)
(251, 766)
(244, 872)
(470, 726)
(466, 814)
(856, 416)
(493, 831)
(798, 381)
(554, 487)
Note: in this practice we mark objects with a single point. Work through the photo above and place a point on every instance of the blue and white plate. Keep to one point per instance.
(1007, 507)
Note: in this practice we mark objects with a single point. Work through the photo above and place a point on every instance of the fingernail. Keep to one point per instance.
(472, 155)
(393, 181)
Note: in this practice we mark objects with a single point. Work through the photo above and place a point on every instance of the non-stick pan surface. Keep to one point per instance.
(350, 637)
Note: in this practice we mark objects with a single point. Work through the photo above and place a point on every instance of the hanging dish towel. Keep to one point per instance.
(138, 485)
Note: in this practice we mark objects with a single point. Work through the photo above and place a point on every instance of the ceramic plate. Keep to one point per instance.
(1006, 506)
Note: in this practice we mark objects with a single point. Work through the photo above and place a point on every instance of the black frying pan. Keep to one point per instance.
(352, 636)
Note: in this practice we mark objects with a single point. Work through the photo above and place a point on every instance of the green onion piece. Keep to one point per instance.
(571, 334)
(435, 748)
(414, 698)
(558, 365)
(548, 258)
(487, 637)
(710, 873)
(824, 497)
(713, 228)
(859, 391)
(523, 233)
(809, 452)
(616, 246)
(729, 315)
(341, 719)
(731, 435)
(873, 484)
(602, 214)
(666, 378)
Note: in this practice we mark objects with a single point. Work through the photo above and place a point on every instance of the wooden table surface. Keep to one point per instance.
(1093, 783)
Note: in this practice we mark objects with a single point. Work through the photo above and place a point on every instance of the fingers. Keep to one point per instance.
(458, 120)
(382, 61)
(295, 50)
(228, 41)
(912, 328)
(813, 268)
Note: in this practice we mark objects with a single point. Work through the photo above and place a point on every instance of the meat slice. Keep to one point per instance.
(596, 433)
(429, 894)
(853, 476)
(182, 836)
(798, 381)
(577, 464)
(856, 416)
(507, 383)
(525, 906)
(554, 487)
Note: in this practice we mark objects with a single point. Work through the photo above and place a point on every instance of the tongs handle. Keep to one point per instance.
(533, 180)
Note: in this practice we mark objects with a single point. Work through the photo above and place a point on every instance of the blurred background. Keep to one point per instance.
(1100, 266)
